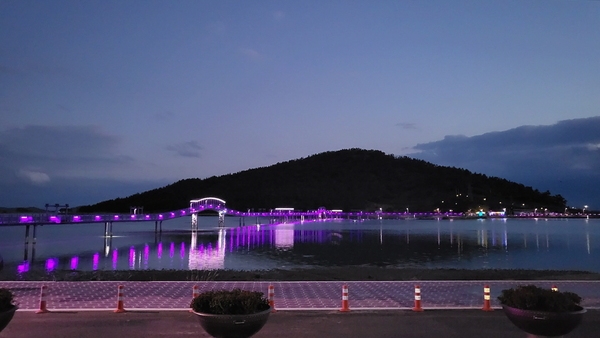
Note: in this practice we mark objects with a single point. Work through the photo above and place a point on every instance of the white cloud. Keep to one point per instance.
(251, 53)
(35, 177)
(278, 15)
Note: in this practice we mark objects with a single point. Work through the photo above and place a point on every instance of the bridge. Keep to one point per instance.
(200, 205)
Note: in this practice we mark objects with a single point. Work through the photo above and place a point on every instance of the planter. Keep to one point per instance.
(544, 323)
(232, 326)
(6, 316)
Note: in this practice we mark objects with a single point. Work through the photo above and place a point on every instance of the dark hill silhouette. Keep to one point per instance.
(351, 179)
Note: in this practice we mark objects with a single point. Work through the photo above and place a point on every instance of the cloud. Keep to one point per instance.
(34, 153)
(35, 177)
(186, 149)
(278, 15)
(407, 126)
(563, 157)
(251, 53)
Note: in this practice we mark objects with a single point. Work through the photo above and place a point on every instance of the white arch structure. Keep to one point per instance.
(207, 203)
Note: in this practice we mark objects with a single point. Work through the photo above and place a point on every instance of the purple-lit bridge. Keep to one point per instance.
(363, 295)
(205, 204)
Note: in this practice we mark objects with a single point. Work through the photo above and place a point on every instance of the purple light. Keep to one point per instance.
(51, 264)
(95, 260)
(76, 218)
(147, 216)
(146, 254)
(115, 259)
(97, 218)
(131, 258)
(172, 214)
(74, 262)
(172, 250)
(160, 216)
(116, 217)
(22, 268)
(26, 219)
(159, 250)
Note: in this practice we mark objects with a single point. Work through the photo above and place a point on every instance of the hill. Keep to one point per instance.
(351, 179)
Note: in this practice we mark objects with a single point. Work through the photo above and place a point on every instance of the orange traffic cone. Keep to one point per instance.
(43, 308)
(120, 308)
(486, 298)
(271, 298)
(417, 307)
(345, 305)
(195, 294)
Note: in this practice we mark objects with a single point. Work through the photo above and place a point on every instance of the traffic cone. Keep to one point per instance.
(486, 298)
(417, 307)
(120, 308)
(43, 308)
(345, 305)
(272, 298)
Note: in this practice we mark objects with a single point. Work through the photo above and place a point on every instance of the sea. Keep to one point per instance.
(254, 244)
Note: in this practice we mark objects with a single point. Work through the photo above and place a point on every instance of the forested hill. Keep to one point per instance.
(352, 179)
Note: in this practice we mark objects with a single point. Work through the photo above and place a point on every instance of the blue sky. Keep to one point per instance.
(103, 99)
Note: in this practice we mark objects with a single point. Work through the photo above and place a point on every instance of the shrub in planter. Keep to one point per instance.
(6, 300)
(7, 307)
(235, 314)
(541, 311)
(235, 302)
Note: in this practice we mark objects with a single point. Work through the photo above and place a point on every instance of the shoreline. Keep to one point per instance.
(349, 273)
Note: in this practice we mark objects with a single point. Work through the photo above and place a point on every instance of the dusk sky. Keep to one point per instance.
(103, 99)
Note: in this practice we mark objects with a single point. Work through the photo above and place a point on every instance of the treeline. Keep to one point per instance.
(352, 179)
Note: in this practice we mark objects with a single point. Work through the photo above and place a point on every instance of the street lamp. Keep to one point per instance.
(584, 207)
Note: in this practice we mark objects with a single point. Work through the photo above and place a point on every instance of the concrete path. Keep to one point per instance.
(296, 324)
(322, 296)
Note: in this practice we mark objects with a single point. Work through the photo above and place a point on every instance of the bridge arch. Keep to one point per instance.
(212, 203)
(207, 203)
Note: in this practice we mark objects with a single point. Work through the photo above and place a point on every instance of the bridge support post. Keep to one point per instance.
(221, 218)
(26, 252)
(195, 221)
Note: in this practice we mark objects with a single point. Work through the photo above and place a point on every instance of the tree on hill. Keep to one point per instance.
(351, 179)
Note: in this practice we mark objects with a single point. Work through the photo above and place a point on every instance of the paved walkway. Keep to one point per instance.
(363, 295)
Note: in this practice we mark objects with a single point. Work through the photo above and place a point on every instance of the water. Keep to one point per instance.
(563, 244)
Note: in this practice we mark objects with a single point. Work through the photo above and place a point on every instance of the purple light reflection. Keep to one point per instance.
(182, 250)
(172, 250)
(115, 259)
(95, 261)
(159, 250)
(23, 267)
(146, 255)
(132, 258)
(51, 264)
(74, 262)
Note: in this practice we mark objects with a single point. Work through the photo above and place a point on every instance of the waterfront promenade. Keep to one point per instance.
(289, 296)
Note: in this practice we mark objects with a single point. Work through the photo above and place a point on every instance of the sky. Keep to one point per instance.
(104, 99)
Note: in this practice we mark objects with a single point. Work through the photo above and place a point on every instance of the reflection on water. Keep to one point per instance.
(472, 244)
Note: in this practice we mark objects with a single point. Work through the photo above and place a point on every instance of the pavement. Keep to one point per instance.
(304, 309)
(297, 324)
(305, 295)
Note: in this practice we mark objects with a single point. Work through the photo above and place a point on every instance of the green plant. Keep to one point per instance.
(531, 297)
(6, 299)
(234, 302)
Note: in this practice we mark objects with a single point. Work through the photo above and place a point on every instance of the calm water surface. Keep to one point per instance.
(572, 244)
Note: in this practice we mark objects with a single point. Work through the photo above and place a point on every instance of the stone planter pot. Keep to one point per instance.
(544, 323)
(6, 316)
(232, 326)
